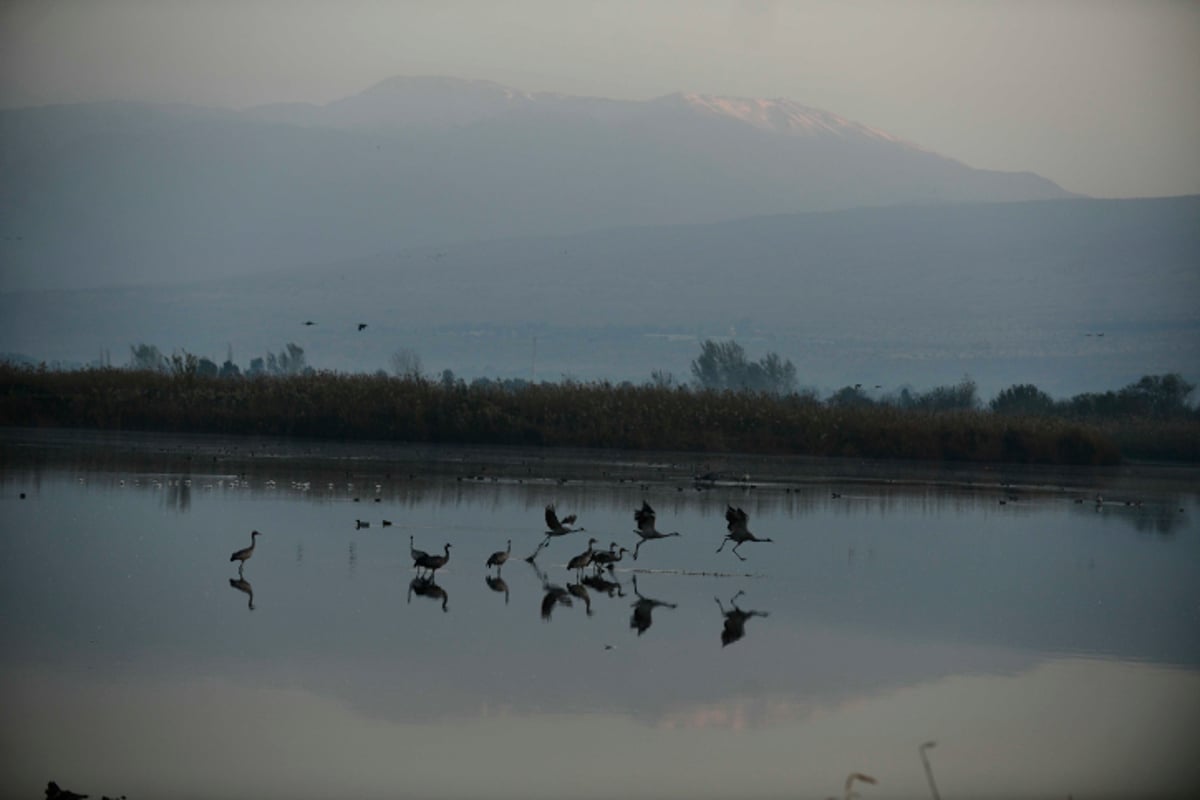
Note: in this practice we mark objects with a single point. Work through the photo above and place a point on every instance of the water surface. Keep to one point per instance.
(1050, 646)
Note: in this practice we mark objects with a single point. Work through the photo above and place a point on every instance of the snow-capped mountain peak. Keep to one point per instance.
(779, 115)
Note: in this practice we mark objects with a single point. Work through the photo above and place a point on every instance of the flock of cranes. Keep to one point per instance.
(428, 564)
(734, 618)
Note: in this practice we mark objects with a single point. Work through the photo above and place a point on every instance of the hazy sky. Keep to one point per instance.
(1102, 96)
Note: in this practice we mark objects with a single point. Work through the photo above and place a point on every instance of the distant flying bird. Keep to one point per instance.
(362, 325)
(309, 322)
(645, 529)
(738, 534)
(244, 554)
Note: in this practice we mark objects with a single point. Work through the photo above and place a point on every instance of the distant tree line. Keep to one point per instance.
(725, 367)
(288, 361)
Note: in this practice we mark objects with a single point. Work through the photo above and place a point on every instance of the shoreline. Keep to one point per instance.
(205, 453)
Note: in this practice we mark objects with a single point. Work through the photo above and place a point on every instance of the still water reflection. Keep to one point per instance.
(1049, 647)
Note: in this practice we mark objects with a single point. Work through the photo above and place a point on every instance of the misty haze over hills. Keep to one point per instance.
(500, 233)
(124, 193)
(1011, 292)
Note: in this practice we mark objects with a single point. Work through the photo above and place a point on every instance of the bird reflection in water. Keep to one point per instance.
(497, 584)
(643, 610)
(243, 585)
(425, 587)
(603, 585)
(735, 620)
(554, 595)
(579, 591)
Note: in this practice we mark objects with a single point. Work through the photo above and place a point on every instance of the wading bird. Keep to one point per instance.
(645, 529)
(498, 558)
(606, 558)
(738, 534)
(244, 554)
(580, 562)
(554, 527)
(417, 555)
(433, 563)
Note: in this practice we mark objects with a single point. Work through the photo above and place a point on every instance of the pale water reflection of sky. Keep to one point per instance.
(1049, 647)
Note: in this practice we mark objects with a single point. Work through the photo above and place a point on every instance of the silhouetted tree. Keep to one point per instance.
(662, 379)
(963, 396)
(146, 357)
(1157, 395)
(1024, 398)
(207, 368)
(406, 363)
(850, 397)
(723, 365)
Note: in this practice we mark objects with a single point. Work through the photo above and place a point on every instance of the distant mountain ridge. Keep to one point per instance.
(126, 193)
(430, 101)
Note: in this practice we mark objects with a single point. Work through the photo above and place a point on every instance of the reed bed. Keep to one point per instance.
(600, 415)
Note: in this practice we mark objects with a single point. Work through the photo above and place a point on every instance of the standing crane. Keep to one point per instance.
(433, 563)
(738, 533)
(645, 529)
(498, 558)
(606, 558)
(580, 562)
(244, 554)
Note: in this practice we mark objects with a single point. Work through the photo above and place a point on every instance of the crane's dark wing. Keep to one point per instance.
(644, 516)
(552, 518)
(568, 520)
(735, 518)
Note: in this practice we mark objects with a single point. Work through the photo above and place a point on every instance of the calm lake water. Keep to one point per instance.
(1050, 647)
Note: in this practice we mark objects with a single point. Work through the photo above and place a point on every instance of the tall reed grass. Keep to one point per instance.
(601, 415)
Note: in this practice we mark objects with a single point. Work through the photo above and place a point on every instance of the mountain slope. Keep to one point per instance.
(126, 193)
